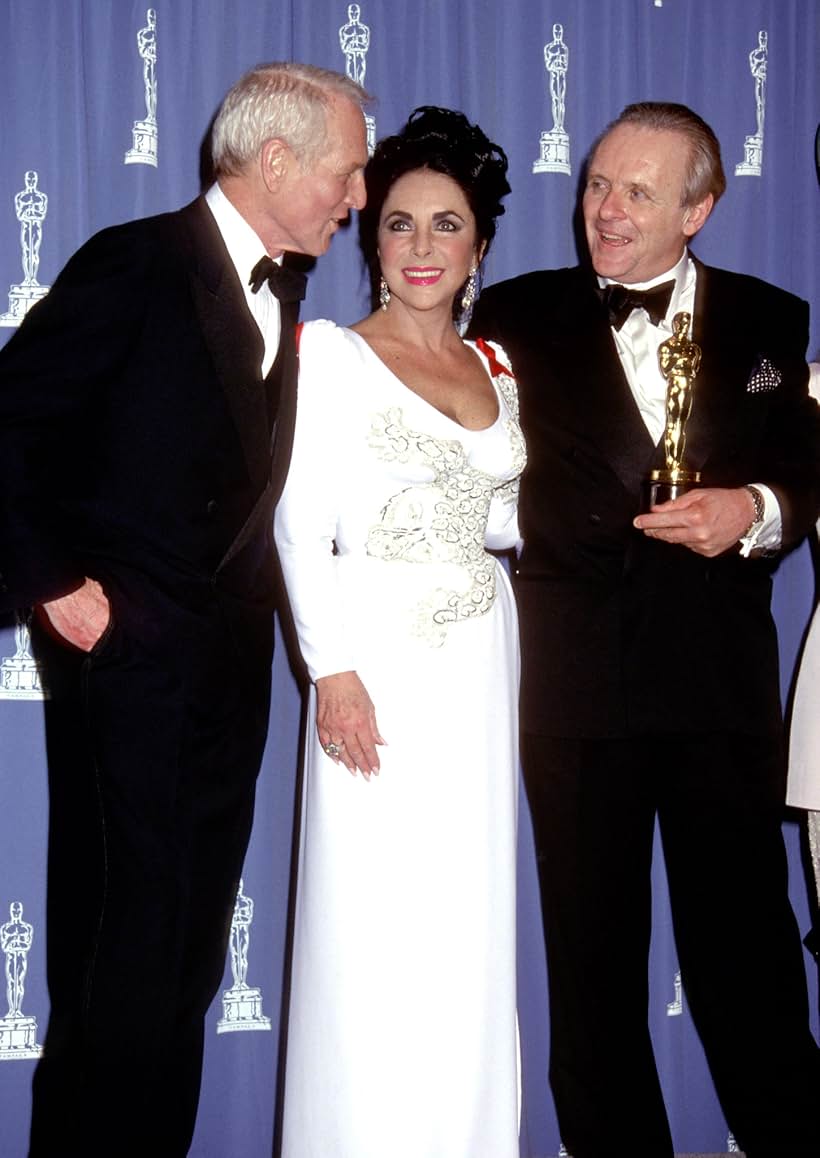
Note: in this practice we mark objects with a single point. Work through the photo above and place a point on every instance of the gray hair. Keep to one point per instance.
(285, 100)
(704, 171)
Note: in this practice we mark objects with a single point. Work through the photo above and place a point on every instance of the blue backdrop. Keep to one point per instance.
(83, 146)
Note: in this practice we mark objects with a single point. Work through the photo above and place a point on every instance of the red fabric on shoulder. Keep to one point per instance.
(486, 349)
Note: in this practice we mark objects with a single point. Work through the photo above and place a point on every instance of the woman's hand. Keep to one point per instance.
(346, 723)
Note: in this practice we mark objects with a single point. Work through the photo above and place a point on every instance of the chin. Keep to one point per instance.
(612, 269)
(319, 246)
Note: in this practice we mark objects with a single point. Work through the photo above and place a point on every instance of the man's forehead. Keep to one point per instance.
(645, 151)
(640, 140)
(344, 118)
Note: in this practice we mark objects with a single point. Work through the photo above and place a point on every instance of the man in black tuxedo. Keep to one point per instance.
(146, 413)
(650, 679)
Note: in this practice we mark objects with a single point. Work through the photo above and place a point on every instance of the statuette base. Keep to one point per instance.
(554, 153)
(242, 1010)
(20, 680)
(21, 299)
(18, 1039)
(144, 151)
(664, 485)
(752, 164)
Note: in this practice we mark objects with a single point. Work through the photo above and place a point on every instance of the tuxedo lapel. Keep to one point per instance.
(281, 381)
(286, 368)
(719, 386)
(233, 338)
(595, 384)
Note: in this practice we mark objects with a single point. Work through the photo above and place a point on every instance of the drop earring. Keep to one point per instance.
(468, 297)
(384, 294)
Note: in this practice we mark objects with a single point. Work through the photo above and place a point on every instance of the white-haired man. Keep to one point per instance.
(146, 409)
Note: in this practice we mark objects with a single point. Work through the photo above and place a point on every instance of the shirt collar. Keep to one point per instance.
(683, 272)
(242, 242)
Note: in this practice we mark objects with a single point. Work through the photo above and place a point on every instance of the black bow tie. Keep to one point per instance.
(620, 301)
(287, 284)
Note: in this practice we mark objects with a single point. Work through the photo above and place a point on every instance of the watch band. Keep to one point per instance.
(760, 510)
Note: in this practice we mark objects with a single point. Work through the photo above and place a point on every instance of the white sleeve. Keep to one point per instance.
(502, 519)
(767, 535)
(306, 516)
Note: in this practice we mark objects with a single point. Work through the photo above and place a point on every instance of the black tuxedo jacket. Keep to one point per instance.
(135, 440)
(621, 634)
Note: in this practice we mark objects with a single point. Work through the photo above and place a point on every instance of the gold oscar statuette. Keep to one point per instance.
(679, 360)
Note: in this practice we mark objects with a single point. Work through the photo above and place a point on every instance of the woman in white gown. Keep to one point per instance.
(803, 790)
(401, 1032)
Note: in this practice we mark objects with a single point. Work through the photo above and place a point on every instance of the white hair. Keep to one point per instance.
(285, 100)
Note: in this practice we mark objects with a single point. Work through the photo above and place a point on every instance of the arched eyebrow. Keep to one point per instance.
(443, 215)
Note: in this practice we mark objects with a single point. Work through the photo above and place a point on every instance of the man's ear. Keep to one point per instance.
(274, 159)
(695, 216)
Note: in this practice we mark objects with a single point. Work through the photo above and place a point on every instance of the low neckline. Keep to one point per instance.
(425, 401)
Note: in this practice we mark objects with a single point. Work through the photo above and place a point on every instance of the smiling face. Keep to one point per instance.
(636, 227)
(427, 239)
(314, 197)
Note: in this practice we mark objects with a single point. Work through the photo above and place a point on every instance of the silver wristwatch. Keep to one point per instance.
(760, 511)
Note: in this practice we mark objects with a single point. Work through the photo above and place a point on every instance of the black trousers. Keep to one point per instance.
(718, 800)
(152, 767)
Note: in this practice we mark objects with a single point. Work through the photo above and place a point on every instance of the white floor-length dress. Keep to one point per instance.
(803, 786)
(401, 1038)
(804, 764)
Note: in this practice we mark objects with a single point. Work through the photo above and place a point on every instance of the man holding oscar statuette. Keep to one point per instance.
(650, 678)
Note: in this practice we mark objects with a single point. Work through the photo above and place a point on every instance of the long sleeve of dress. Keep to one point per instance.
(306, 517)
(502, 522)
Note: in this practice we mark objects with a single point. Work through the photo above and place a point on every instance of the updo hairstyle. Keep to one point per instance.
(443, 141)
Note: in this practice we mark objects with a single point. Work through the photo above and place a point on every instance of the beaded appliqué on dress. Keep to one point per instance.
(508, 386)
(442, 521)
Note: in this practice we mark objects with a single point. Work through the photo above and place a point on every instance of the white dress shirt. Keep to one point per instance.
(637, 342)
(245, 249)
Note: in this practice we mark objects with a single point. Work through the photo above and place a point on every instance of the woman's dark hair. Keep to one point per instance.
(443, 141)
